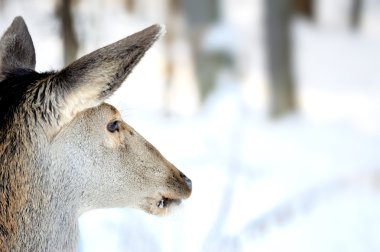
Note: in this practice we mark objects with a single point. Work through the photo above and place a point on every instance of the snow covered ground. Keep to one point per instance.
(308, 182)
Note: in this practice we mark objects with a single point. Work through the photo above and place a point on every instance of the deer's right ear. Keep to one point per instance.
(16, 47)
(88, 81)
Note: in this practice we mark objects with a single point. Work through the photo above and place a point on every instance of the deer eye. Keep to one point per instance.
(113, 126)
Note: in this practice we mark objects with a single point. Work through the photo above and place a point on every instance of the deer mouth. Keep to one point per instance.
(167, 202)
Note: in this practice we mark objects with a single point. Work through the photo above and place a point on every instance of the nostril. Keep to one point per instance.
(187, 180)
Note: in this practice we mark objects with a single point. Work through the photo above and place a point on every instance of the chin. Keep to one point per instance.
(162, 206)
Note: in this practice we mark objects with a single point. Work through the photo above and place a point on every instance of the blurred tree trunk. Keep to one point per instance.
(70, 41)
(356, 12)
(279, 45)
(304, 8)
(201, 14)
(172, 19)
(130, 5)
(171, 22)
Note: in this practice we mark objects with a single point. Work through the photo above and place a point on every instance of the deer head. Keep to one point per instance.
(69, 149)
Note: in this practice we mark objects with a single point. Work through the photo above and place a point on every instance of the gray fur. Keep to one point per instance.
(57, 158)
(16, 49)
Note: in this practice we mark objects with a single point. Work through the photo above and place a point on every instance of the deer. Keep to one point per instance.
(65, 151)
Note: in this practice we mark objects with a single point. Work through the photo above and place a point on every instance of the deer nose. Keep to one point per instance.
(187, 180)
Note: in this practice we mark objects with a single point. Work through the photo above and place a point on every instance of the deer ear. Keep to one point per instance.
(16, 48)
(91, 79)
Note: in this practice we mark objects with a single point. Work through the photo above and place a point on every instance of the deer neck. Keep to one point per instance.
(52, 229)
(57, 212)
(43, 209)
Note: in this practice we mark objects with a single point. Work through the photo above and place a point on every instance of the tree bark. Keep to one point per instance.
(356, 11)
(70, 41)
(130, 5)
(279, 45)
(200, 15)
(304, 8)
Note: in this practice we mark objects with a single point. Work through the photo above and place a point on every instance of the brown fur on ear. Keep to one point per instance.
(91, 79)
(16, 47)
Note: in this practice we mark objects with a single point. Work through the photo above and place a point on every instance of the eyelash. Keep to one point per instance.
(113, 126)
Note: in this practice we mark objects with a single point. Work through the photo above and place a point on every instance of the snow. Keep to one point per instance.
(308, 182)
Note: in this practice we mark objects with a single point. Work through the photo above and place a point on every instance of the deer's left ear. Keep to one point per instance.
(88, 81)
(16, 48)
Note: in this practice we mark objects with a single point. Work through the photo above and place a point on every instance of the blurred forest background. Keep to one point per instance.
(270, 107)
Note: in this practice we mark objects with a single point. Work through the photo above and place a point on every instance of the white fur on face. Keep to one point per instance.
(118, 169)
